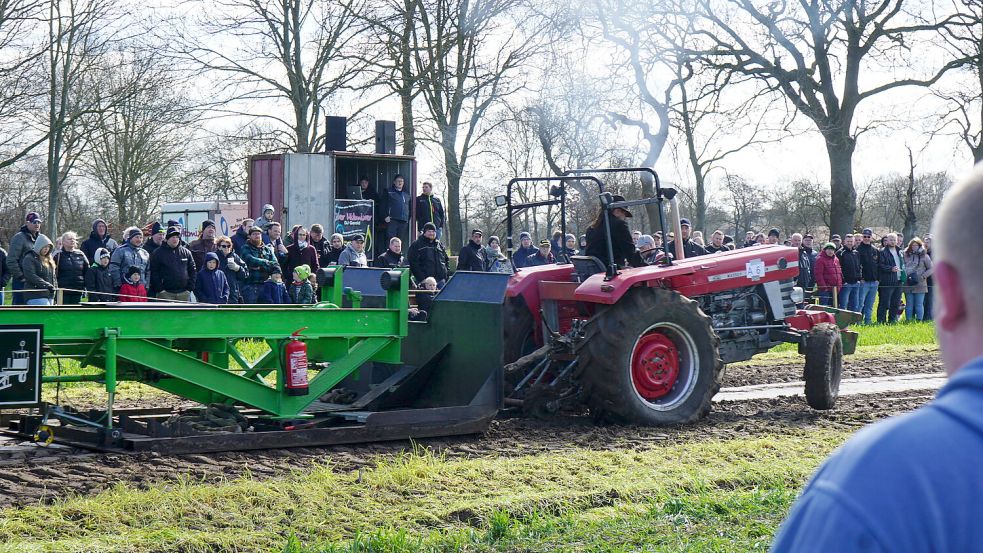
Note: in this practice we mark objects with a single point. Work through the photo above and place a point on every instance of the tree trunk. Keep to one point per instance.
(700, 217)
(51, 221)
(455, 229)
(843, 205)
(406, 80)
(652, 210)
(406, 108)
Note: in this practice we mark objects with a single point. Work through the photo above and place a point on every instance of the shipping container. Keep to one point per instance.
(303, 187)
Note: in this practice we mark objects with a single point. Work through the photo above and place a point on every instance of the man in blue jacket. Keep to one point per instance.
(913, 483)
(398, 210)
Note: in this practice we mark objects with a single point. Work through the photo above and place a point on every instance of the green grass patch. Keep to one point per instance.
(725, 495)
(880, 338)
(95, 393)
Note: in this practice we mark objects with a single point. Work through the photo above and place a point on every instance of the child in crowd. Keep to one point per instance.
(132, 289)
(98, 281)
(300, 289)
(424, 300)
(274, 291)
(313, 280)
(212, 286)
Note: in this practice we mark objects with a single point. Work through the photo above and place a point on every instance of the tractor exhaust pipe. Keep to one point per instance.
(677, 228)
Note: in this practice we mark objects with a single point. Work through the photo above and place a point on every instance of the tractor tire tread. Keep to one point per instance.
(823, 351)
(610, 335)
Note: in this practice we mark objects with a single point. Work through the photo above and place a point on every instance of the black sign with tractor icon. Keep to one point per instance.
(20, 366)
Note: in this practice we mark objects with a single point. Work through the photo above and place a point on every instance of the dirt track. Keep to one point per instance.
(46, 479)
(909, 362)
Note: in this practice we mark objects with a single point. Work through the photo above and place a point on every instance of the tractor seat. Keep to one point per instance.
(586, 265)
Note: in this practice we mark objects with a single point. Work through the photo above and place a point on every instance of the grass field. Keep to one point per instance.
(723, 495)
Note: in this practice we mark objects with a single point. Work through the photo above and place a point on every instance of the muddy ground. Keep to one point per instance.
(915, 361)
(68, 472)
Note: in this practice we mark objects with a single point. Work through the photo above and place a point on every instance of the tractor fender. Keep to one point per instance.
(525, 283)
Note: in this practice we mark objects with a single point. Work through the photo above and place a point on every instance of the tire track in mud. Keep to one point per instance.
(45, 479)
(901, 363)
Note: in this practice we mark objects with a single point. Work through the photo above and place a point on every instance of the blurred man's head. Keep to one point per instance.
(958, 272)
(848, 242)
(717, 238)
(795, 240)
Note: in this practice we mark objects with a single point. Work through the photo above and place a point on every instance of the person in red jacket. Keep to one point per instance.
(829, 275)
(301, 252)
(132, 289)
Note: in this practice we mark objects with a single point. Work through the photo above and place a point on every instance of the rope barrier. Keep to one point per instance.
(57, 291)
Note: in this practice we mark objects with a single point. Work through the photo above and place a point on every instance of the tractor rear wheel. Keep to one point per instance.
(517, 327)
(823, 350)
(651, 358)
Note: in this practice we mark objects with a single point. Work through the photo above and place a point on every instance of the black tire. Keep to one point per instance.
(611, 337)
(824, 365)
(517, 327)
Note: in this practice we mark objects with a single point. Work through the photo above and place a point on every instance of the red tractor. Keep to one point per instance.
(648, 345)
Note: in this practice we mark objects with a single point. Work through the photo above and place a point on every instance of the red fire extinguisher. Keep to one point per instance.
(296, 354)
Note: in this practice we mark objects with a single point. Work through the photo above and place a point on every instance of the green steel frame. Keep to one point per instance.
(189, 350)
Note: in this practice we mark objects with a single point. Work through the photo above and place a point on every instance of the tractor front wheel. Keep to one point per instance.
(823, 350)
(651, 358)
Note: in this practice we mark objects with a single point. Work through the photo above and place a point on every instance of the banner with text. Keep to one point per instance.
(353, 217)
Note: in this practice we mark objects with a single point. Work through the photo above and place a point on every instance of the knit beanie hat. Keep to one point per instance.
(303, 271)
(429, 226)
(132, 271)
(131, 233)
(523, 235)
(172, 231)
(101, 253)
(207, 223)
(157, 228)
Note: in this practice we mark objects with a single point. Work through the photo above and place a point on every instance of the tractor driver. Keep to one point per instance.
(622, 243)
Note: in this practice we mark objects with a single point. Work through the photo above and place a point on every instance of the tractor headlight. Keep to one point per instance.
(797, 295)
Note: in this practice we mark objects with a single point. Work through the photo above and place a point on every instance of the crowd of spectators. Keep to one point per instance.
(258, 264)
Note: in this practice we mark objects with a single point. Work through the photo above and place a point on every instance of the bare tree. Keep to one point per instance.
(746, 203)
(908, 199)
(219, 167)
(298, 51)
(631, 27)
(81, 42)
(711, 129)
(138, 147)
(814, 54)
(964, 98)
(21, 58)
(393, 25)
(467, 54)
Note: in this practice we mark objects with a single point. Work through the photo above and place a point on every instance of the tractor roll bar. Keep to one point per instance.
(561, 195)
(660, 196)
